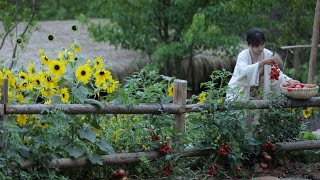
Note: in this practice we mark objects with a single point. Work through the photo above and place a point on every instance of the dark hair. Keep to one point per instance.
(255, 37)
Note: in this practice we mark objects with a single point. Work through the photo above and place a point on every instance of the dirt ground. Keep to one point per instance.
(296, 171)
(121, 62)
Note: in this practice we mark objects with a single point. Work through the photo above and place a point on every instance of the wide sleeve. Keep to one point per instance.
(246, 74)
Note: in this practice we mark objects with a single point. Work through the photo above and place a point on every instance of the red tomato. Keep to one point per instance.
(267, 157)
(263, 165)
(121, 173)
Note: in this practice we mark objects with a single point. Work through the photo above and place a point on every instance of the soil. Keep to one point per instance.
(297, 171)
(121, 63)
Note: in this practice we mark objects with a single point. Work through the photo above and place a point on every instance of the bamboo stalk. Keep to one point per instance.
(299, 145)
(297, 46)
(145, 108)
(132, 158)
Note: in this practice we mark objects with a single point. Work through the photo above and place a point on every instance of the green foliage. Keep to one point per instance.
(168, 29)
(14, 14)
(278, 124)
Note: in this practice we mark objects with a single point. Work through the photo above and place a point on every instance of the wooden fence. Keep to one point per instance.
(178, 108)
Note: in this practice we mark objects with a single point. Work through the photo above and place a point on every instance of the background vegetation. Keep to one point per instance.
(175, 29)
(169, 31)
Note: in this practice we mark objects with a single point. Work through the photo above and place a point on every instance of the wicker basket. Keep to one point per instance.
(299, 93)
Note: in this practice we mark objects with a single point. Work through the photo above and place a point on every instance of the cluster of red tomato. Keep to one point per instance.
(153, 136)
(275, 72)
(211, 167)
(224, 149)
(267, 147)
(119, 174)
(167, 169)
(291, 86)
(165, 148)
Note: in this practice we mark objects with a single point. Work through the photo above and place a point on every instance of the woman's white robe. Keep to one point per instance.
(246, 75)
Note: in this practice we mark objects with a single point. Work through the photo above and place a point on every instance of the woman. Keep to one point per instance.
(249, 69)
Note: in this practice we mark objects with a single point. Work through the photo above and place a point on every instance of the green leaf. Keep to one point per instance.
(88, 134)
(94, 102)
(80, 93)
(104, 146)
(75, 151)
(96, 159)
(55, 141)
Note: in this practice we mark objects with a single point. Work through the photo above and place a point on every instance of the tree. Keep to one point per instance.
(13, 14)
(180, 29)
(165, 29)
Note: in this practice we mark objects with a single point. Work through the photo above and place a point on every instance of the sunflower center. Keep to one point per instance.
(22, 77)
(56, 67)
(83, 73)
(37, 81)
(63, 95)
(24, 84)
(101, 73)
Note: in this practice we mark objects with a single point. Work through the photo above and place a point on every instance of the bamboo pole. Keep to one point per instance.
(297, 46)
(180, 98)
(314, 48)
(132, 158)
(114, 159)
(145, 108)
(299, 145)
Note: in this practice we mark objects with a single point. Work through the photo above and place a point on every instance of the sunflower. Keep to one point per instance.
(44, 125)
(23, 75)
(111, 86)
(76, 46)
(47, 92)
(31, 68)
(48, 101)
(9, 75)
(83, 73)
(50, 81)
(2, 77)
(37, 81)
(66, 55)
(25, 85)
(202, 97)
(101, 75)
(98, 63)
(170, 90)
(45, 60)
(57, 68)
(64, 95)
(21, 120)
(20, 98)
(307, 113)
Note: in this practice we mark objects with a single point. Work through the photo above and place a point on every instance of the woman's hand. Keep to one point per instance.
(268, 61)
(293, 81)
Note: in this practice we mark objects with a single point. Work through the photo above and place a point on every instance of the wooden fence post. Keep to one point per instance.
(4, 99)
(180, 98)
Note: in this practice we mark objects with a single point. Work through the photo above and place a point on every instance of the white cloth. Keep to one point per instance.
(246, 75)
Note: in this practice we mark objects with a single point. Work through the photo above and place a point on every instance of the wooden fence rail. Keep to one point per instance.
(178, 108)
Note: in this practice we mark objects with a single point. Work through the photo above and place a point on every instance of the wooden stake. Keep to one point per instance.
(4, 99)
(180, 98)
(314, 48)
